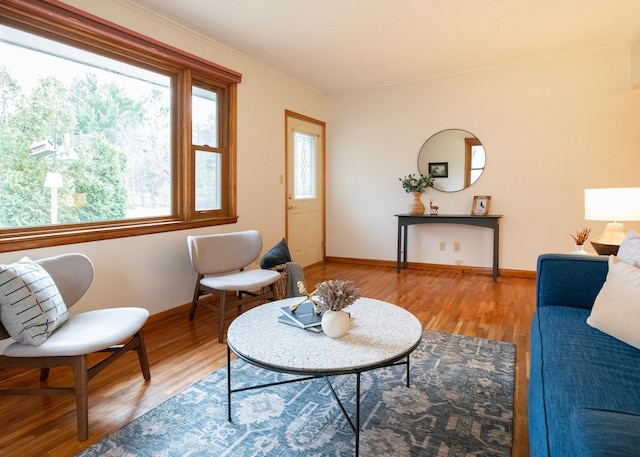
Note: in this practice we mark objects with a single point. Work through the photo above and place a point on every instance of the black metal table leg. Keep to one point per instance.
(354, 420)
(228, 383)
(357, 431)
(408, 371)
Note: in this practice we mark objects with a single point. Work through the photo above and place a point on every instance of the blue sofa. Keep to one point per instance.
(584, 385)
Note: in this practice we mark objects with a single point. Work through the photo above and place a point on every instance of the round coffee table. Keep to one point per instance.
(381, 335)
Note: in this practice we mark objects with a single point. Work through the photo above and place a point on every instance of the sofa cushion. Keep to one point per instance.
(31, 306)
(629, 250)
(277, 255)
(575, 366)
(603, 433)
(616, 310)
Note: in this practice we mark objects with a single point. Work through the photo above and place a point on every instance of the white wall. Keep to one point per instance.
(154, 271)
(550, 129)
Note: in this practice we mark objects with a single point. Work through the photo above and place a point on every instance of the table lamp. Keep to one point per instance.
(613, 205)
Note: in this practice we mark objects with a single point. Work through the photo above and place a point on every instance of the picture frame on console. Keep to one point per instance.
(481, 204)
(439, 169)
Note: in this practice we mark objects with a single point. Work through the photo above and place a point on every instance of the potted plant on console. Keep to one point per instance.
(417, 186)
(580, 238)
(332, 297)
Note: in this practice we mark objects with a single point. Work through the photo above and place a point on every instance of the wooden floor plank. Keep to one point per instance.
(183, 352)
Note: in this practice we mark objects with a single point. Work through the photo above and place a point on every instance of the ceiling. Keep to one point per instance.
(341, 46)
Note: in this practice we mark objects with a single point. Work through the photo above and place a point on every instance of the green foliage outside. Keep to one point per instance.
(104, 126)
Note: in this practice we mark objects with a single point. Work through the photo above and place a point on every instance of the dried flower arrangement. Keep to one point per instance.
(335, 294)
(581, 236)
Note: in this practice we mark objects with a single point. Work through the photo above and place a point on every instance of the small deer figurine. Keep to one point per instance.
(434, 208)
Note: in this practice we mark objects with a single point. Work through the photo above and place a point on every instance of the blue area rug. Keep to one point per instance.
(460, 403)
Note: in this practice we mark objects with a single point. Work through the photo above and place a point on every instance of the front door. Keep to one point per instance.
(305, 193)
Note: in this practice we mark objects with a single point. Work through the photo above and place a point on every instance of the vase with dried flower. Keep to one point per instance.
(580, 238)
(416, 187)
(332, 297)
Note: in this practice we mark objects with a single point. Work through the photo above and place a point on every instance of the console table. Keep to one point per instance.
(405, 220)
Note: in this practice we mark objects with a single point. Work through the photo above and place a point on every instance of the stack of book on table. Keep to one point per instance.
(304, 317)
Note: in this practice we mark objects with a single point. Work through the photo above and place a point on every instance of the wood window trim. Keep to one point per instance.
(55, 19)
(44, 12)
(469, 143)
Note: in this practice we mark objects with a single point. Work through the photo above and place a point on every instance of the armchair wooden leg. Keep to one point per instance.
(44, 374)
(223, 302)
(192, 313)
(142, 356)
(79, 367)
(196, 297)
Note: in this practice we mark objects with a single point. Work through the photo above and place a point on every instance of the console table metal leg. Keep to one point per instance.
(496, 251)
(399, 247)
(405, 233)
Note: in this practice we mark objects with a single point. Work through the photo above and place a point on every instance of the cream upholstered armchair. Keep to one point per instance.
(50, 337)
(220, 262)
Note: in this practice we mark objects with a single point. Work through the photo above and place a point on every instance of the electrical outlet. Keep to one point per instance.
(456, 246)
(458, 262)
(443, 246)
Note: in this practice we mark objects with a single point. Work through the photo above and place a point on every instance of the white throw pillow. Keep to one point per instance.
(31, 306)
(629, 250)
(616, 310)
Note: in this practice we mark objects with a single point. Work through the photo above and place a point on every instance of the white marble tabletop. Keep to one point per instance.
(380, 332)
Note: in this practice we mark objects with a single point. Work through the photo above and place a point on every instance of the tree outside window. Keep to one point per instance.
(95, 132)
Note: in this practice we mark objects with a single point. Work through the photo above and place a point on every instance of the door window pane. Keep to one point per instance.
(304, 159)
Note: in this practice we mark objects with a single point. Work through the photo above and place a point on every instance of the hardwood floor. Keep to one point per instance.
(182, 352)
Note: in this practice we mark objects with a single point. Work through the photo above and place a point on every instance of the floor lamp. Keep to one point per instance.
(613, 205)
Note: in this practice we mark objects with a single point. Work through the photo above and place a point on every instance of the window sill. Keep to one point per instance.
(17, 241)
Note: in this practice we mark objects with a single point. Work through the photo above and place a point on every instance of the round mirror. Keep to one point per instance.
(456, 158)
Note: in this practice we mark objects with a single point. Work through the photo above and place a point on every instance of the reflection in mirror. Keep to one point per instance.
(456, 158)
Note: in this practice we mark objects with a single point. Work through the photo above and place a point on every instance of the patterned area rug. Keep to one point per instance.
(460, 403)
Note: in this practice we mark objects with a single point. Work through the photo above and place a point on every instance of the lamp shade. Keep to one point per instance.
(616, 204)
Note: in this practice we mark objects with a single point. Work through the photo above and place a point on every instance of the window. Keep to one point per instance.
(94, 137)
(304, 161)
(206, 147)
(474, 160)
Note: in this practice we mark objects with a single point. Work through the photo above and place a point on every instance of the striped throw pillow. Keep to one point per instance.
(31, 306)
(630, 248)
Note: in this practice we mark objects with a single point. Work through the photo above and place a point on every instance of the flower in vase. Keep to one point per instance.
(412, 184)
(581, 236)
(335, 294)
